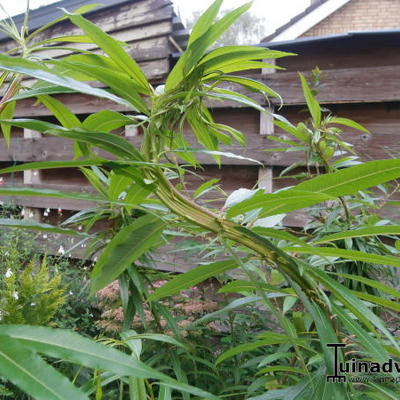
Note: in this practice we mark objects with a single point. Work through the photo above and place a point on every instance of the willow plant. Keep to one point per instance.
(199, 77)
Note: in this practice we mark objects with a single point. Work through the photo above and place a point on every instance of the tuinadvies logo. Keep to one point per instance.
(388, 371)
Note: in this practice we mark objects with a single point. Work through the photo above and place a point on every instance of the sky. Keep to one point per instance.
(275, 12)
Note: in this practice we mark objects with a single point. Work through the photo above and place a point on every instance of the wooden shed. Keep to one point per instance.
(360, 80)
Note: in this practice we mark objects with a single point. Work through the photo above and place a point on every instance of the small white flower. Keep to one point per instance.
(61, 250)
(33, 304)
(71, 292)
(79, 227)
(15, 296)
(8, 273)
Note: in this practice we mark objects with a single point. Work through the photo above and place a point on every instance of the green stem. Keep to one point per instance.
(226, 229)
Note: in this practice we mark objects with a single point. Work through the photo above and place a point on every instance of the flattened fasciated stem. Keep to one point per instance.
(200, 216)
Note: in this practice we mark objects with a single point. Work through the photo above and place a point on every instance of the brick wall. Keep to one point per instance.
(359, 15)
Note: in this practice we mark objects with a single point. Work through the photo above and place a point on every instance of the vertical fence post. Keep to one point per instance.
(265, 174)
(32, 177)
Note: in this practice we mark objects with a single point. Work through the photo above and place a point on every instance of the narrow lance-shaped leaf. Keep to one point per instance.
(113, 49)
(37, 226)
(352, 303)
(312, 103)
(192, 277)
(7, 113)
(29, 372)
(130, 243)
(119, 82)
(372, 346)
(38, 71)
(373, 283)
(204, 21)
(275, 338)
(347, 122)
(66, 117)
(106, 141)
(70, 346)
(354, 255)
(204, 38)
(341, 183)
(363, 232)
(277, 203)
(350, 180)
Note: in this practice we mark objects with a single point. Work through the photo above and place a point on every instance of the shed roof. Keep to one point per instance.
(305, 20)
(42, 15)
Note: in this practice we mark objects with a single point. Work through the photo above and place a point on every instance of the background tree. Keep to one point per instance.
(248, 29)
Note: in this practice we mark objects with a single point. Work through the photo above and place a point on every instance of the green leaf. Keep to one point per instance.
(38, 71)
(106, 141)
(248, 286)
(279, 234)
(70, 346)
(121, 164)
(348, 122)
(26, 191)
(44, 89)
(113, 49)
(157, 337)
(275, 338)
(37, 226)
(352, 303)
(202, 43)
(201, 130)
(7, 113)
(341, 183)
(119, 82)
(34, 376)
(380, 301)
(350, 180)
(250, 84)
(130, 243)
(64, 115)
(288, 127)
(277, 203)
(372, 347)
(370, 231)
(282, 368)
(203, 23)
(326, 333)
(312, 103)
(237, 135)
(231, 54)
(216, 315)
(106, 121)
(164, 393)
(373, 283)
(204, 188)
(205, 35)
(217, 153)
(228, 95)
(353, 255)
(191, 278)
